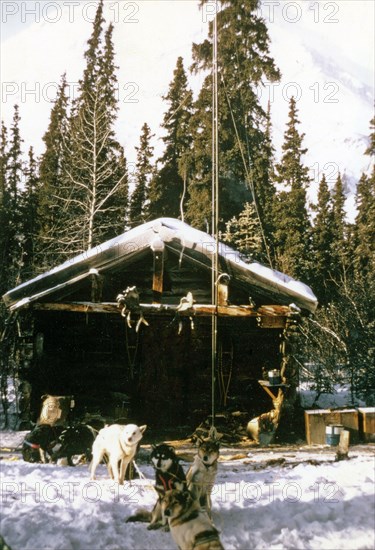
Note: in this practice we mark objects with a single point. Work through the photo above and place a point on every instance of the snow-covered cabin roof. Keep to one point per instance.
(194, 246)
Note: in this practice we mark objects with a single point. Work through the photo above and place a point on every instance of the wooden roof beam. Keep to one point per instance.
(199, 310)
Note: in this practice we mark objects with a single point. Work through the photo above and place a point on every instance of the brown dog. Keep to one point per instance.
(202, 474)
(190, 526)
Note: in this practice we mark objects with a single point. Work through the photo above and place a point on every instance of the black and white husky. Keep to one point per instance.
(168, 470)
(169, 475)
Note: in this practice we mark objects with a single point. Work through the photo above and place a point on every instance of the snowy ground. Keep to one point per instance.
(274, 498)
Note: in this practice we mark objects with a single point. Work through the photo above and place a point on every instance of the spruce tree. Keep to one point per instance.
(244, 63)
(292, 235)
(15, 173)
(339, 335)
(339, 248)
(12, 252)
(199, 205)
(30, 218)
(322, 239)
(5, 235)
(3, 161)
(168, 187)
(138, 210)
(254, 225)
(266, 192)
(244, 234)
(361, 286)
(371, 146)
(52, 216)
(364, 231)
(365, 225)
(4, 217)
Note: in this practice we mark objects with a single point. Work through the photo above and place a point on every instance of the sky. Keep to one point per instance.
(37, 49)
(324, 49)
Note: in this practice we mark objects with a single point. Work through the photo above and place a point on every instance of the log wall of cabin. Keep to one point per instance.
(166, 375)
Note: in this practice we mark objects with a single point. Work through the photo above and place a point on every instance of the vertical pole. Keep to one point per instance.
(215, 212)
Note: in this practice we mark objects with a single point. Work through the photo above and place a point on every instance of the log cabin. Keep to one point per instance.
(143, 327)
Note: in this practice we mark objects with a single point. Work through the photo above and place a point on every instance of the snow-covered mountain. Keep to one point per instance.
(325, 51)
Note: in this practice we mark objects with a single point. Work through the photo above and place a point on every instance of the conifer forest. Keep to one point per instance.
(79, 192)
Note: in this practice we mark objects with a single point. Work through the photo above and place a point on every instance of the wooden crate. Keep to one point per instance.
(317, 420)
(367, 424)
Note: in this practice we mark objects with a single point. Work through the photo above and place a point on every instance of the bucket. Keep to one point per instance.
(274, 377)
(333, 434)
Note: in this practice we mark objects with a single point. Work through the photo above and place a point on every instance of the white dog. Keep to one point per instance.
(119, 444)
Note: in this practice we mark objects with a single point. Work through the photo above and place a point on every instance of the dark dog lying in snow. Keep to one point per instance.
(75, 440)
(47, 443)
(38, 444)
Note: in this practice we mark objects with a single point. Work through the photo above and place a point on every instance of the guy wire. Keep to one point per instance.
(248, 172)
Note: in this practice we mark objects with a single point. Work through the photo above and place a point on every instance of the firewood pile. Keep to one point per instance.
(230, 427)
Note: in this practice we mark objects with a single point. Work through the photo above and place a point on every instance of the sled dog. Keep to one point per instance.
(168, 471)
(75, 440)
(202, 473)
(39, 444)
(190, 526)
(119, 444)
(168, 475)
